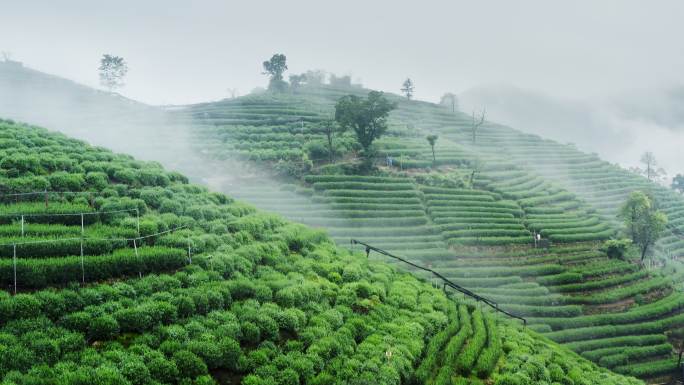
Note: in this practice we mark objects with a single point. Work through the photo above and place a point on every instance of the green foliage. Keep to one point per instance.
(644, 223)
(617, 248)
(275, 67)
(263, 300)
(678, 183)
(367, 117)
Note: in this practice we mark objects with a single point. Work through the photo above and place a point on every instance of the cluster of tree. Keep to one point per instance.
(276, 66)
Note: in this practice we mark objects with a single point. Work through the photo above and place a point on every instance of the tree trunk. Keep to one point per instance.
(330, 148)
(643, 252)
(434, 159)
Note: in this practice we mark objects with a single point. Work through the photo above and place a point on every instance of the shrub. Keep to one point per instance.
(250, 333)
(189, 365)
(102, 328)
(617, 248)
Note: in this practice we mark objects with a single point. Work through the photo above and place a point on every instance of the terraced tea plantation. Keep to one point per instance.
(127, 274)
(472, 214)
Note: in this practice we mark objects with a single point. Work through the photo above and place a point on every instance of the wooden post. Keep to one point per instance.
(46, 200)
(82, 226)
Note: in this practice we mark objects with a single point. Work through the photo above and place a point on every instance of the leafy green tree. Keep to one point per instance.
(644, 223)
(366, 116)
(112, 71)
(275, 67)
(408, 88)
(678, 183)
(432, 139)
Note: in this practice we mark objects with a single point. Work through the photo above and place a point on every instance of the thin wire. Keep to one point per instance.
(66, 214)
(95, 239)
(48, 192)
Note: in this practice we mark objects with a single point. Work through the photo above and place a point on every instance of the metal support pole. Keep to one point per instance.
(137, 220)
(46, 200)
(135, 246)
(82, 263)
(14, 262)
(22, 226)
(189, 253)
(82, 226)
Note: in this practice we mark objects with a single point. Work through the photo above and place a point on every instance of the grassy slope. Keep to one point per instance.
(264, 300)
(572, 292)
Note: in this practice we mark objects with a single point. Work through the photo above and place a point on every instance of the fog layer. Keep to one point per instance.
(618, 128)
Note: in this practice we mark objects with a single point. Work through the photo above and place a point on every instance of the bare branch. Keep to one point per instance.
(477, 123)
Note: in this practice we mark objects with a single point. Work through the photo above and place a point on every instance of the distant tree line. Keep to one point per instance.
(276, 66)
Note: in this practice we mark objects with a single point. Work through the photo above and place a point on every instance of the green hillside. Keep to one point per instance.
(119, 272)
(470, 214)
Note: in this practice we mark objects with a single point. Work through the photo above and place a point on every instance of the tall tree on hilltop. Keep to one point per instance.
(651, 169)
(476, 123)
(407, 88)
(275, 67)
(112, 69)
(449, 99)
(367, 117)
(644, 223)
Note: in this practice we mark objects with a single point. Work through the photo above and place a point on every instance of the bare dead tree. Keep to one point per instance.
(6, 55)
(476, 123)
(233, 92)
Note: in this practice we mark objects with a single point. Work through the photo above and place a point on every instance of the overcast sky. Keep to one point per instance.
(191, 51)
